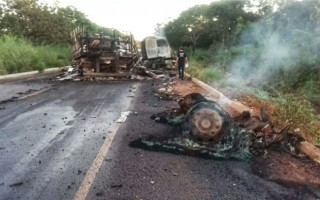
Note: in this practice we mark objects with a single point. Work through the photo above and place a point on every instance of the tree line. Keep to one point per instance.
(273, 43)
(42, 24)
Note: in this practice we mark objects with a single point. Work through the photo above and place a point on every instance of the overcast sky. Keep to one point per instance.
(136, 16)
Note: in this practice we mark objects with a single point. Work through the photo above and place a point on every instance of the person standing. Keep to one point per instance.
(181, 62)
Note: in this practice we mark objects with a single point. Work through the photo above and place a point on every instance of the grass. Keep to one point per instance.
(296, 111)
(199, 67)
(20, 55)
(207, 74)
(311, 90)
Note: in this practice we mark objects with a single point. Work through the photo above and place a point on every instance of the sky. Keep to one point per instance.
(136, 16)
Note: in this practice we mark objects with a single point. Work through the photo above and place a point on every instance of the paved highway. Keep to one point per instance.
(65, 143)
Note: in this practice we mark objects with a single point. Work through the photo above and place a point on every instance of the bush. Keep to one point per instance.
(20, 55)
(199, 67)
(200, 55)
(211, 75)
(311, 90)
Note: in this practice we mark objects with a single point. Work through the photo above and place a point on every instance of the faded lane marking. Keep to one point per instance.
(123, 117)
(34, 94)
(88, 180)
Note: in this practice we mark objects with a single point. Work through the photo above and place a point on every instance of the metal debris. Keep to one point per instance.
(16, 184)
(209, 132)
(116, 186)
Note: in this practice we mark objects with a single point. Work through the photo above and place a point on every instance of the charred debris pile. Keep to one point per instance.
(206, 130)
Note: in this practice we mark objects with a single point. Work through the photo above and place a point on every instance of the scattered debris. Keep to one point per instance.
(174, 118)
(99, 194)
(166, 92)
(70, 70)
(2, 108)
(116, 186)
(16, 184)
(209, 132)
(140, 73)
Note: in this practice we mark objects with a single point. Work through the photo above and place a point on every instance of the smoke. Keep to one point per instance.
(159, 30)
(282, 48)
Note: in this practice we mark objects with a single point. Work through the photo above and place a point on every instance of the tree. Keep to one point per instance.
(218, 23)
(40, 23)
(188, 28)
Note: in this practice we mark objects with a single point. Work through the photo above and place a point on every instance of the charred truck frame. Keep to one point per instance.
(103, 55)
(156, 53)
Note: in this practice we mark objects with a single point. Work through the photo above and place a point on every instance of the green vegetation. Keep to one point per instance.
(265, 45)
(251, 39)
(35, 36)
(295, 111)
(199, 67)
(41, 23)
(21, 55)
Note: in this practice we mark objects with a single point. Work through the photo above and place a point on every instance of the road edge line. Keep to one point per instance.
(34, 94)
(90, 176)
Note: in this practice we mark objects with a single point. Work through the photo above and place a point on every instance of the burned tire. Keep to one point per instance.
(206, 122)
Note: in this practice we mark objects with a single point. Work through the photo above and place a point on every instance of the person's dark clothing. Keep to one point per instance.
(181, 72)
(182, 56)
(181, 63)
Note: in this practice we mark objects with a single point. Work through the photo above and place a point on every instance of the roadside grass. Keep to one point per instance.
(295, 111)
(208, 74)
(199, 67)
(20, 55)
(311, 90)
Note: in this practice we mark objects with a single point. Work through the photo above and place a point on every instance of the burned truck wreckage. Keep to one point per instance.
(117, 56)
(156, 53)
(103, 55)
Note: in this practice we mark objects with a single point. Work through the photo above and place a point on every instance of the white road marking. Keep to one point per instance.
(123, 117)
(34, 94)
(88, 180)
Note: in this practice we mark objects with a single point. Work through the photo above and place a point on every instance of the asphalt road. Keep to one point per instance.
(65, 143)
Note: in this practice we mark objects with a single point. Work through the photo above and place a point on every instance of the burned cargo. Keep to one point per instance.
(103, 54)
(157, 53)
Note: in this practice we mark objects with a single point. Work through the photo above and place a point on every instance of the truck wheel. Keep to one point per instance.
(206, 122)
